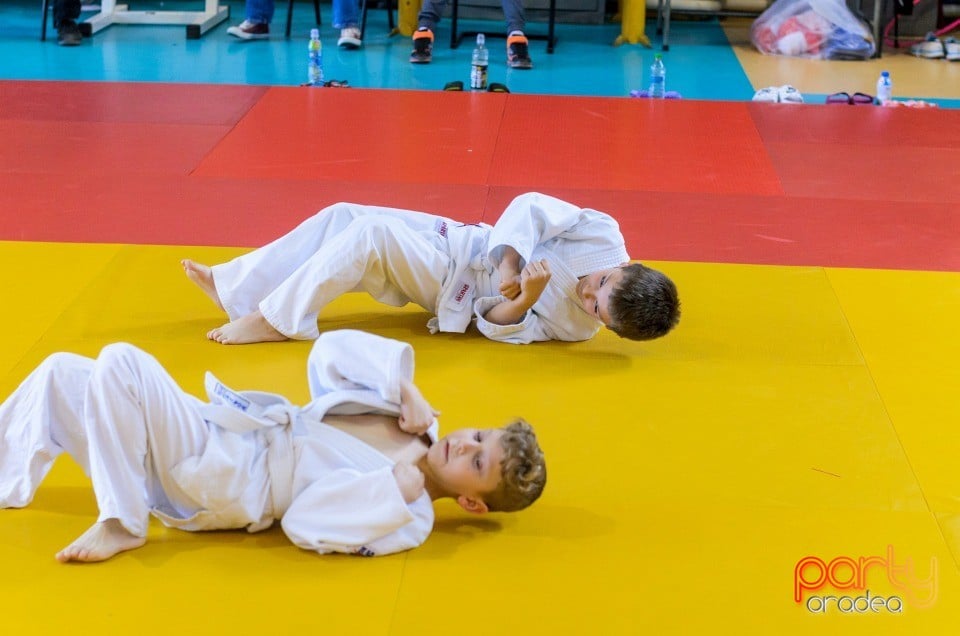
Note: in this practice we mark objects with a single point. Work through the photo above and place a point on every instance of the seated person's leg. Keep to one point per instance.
(256, 26)
(518, 48)
(346, 17)
(423, 37)
(65, 14)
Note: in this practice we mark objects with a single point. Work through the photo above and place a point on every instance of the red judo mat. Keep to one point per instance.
(687, 180)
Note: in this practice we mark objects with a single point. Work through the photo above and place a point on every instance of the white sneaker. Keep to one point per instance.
(931, 48)
(248, 30)
(952, 47)
(789, 95)
(768, 94)
(350, 38)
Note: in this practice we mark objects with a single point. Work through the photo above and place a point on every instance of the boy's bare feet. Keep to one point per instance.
(203, 278)
(101, 541)
(250, 328)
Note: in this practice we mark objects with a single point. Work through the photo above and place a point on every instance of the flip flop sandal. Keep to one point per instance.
(497, 87)
(453, 86)
(839, 98)
(862, 99)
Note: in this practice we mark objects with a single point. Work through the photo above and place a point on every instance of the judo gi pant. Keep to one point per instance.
(396, 256)
(121, 417)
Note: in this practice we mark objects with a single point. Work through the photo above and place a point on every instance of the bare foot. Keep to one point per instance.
(250, 328)
(202, 278)
(101, 541)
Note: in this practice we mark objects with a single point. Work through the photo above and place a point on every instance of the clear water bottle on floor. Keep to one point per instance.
(884, 88)
(478, 67)
(658, 77)
(315, 59)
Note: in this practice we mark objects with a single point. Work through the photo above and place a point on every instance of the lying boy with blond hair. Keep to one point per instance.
(355, 471)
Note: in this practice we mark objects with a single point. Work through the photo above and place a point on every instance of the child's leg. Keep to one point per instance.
(243, 282)
(139, 425)
(378, 255)
(42, 418)
(381, 255)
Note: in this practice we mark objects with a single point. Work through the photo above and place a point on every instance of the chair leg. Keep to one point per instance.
(316, 11)
(550, 29)
(454, 42)
(44, 10)
(363, 18)
(289, 16)
(666, 26)
(390, 15)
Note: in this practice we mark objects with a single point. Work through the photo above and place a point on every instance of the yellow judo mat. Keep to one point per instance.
(785, 462)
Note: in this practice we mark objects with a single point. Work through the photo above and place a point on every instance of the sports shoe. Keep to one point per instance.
(350, 38)
(518, 51)
(768, 94)
(69, 33)
(952, 47)
(422, 46)
(789, 95)
(248, 30)
(931, 48)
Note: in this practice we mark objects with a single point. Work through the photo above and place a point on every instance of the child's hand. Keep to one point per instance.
(509, 270)
(409, 480)
(510, 287)
(534, 279)
(416, 414)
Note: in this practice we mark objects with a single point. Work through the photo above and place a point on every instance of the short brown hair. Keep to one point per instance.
(645, 304)
(523, 470)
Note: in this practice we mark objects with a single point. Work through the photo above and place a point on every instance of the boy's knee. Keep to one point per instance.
(58, 360)
(59, 364)
(375, 225)
(526, 197)
(117, 350)
(120, 355)
(340, 207)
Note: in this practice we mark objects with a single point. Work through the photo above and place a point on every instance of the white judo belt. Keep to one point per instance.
(273, 416)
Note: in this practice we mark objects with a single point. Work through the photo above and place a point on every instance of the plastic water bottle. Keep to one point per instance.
(315, 60)
(478, 68)
(658, 77)
(884, 88)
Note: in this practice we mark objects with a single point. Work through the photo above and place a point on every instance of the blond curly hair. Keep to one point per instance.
(523, 470)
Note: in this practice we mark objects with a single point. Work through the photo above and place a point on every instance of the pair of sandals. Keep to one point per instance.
(785, 94)
(645, 93)
(857, 99)
(493, 87)
(333, 84)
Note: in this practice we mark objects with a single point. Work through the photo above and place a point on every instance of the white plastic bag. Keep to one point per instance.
(820, 29)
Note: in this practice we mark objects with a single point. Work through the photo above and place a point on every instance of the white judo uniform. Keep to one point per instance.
(446, 267)
(241, 460)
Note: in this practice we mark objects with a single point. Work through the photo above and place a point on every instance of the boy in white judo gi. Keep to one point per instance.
(354, 471)
(548, 270)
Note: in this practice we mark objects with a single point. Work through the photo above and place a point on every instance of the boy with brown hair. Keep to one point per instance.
(547, 270)
(355, 471)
